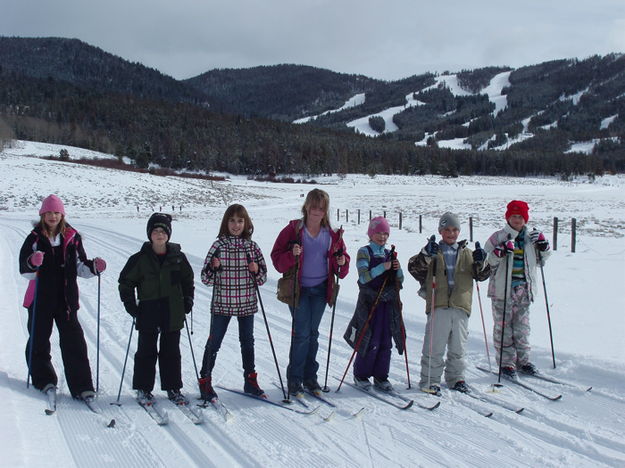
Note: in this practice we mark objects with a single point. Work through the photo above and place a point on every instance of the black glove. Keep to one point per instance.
(131, 308)
(479, 254)
(431, 248)
(188, 304)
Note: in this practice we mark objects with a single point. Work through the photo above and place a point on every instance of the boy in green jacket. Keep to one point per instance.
(446, 271)
(163, 279)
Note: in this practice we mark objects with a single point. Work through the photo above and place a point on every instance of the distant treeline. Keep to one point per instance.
(67, 92)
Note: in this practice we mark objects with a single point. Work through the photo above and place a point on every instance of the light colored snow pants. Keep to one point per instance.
(450, 330)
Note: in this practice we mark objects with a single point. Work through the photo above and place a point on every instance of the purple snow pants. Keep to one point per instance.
(377, 359)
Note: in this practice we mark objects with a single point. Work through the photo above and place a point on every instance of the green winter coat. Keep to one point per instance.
(165, 291)
(461, 297)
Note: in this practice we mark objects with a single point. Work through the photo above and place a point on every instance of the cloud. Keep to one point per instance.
(388, 40)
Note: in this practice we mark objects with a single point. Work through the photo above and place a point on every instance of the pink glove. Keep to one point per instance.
(504, 248)
(100, 265)
(36, 259)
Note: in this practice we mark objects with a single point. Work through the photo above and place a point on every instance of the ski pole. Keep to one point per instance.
(503, 321)
(338, 253)
(542, 273)
(366, 325)
(197, 376)
(325, 388)
(119, 392)
(432, 317)
(403, 327)
(294, 310)
(479, 301)
(216, 255)
(32, 330)
(97, 358)
(262, 309)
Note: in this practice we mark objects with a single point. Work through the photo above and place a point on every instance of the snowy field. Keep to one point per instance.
(110, 208)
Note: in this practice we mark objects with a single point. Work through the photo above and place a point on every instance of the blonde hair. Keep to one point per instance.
(317, 198)
(241, 212)
(60, 228)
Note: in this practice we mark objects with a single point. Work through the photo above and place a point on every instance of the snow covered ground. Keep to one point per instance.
(111, 208)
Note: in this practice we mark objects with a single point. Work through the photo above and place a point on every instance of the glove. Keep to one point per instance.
(99, 264)
(36, 259)
(539, 240)
(504, 248)
(188, 304)
(479, 254)
(431, 248)
(131, 308)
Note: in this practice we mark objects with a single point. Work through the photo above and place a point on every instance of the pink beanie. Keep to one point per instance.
(52, 203)
(378, 224)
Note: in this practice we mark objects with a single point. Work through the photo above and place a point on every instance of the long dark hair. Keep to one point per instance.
(239, 211)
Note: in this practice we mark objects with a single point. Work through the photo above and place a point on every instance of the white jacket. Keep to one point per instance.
(497, 284)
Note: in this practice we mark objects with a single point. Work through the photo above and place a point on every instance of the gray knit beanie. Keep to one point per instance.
(448, 220)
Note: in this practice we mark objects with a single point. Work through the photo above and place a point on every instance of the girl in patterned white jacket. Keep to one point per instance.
(514, 252)
(234, 266)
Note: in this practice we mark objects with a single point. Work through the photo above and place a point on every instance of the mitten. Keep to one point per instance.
(504, 248)
(36, 259)
(431, 248)
(479, 254)
(539, 240)
(99, 265)
(188, 304)
(131, 308)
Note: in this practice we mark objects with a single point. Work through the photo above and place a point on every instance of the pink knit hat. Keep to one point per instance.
(378, 224)
(52, 203)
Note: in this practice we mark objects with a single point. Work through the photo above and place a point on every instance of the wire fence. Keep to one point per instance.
(367, 215)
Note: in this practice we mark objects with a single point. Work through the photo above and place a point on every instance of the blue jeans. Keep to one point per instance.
(305, 335)
(219, 325)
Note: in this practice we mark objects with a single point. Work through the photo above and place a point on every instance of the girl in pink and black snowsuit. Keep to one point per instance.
(235, 266)
(52, 257)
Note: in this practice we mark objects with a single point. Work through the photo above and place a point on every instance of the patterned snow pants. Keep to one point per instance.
(516, 346)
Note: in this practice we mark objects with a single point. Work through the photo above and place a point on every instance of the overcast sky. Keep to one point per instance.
(387, 39)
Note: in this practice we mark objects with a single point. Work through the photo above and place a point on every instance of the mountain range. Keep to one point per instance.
(558, 117)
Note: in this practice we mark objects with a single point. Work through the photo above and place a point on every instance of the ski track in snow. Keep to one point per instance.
(584, 429)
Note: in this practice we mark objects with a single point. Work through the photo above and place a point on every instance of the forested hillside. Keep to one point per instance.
(68, 92)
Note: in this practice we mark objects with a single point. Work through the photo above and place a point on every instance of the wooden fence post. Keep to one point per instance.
(573, 234)
(420, 224)
(400, 221)
(471, 228)
(555, 233)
